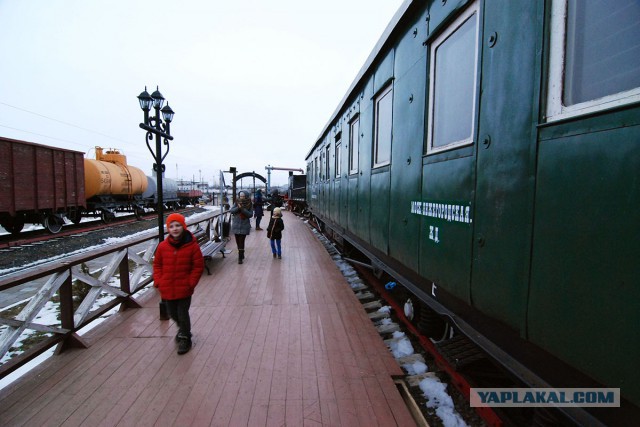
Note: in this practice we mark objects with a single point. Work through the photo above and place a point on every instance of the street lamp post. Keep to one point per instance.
(161, 129)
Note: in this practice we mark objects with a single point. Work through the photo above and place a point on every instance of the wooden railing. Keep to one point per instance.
(125, 272)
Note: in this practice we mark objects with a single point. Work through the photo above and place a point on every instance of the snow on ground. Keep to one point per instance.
(106, 242)
(436, 392)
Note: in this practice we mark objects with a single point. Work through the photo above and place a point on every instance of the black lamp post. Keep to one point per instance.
(155, 126)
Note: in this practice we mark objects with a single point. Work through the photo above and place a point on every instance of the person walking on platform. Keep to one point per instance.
(258, 208)
(242, 212)
(275, 200)
(274, 232)
(177, 267)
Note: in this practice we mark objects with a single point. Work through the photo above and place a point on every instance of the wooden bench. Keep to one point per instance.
(210, 248)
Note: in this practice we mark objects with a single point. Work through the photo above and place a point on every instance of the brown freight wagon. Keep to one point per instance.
(189, 197)
(39, 184)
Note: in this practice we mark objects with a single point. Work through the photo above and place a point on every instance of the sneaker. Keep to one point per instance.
(258, 228)
(274, 255)
(279, 256)
(184, 345)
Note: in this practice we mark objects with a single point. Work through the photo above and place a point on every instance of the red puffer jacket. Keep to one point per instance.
(177, 268)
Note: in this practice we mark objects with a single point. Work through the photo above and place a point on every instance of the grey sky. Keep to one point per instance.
(252, 82)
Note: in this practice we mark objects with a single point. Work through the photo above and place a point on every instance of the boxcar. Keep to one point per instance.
(487, 156)
(189, 197)
(39, 184)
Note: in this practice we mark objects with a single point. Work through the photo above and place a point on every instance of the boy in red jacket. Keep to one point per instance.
(177, 267)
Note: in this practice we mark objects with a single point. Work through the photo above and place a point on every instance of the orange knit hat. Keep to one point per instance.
(176, 217)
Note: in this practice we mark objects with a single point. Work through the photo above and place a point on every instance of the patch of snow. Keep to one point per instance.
(26, 368)
(401, 347)
(436, 393)
(415, 368)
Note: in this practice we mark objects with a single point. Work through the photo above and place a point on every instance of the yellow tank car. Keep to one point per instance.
(109, 175)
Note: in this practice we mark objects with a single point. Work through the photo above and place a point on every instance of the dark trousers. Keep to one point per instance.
(258, 219)
(179, 312)
(240, 241)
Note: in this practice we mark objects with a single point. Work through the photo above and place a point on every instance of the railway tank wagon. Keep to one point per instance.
(487, 157)
(169, 193)
(112, 184)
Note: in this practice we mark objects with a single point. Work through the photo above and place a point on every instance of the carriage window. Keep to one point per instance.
(595, 56)
(337, 163)
(452, 86)
(354, 135)
(383, 112)
(327, 156)
(317, 171)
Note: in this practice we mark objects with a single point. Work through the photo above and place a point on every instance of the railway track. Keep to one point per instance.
(21, 253)
(42, 235)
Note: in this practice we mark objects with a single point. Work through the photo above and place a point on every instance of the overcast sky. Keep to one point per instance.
(252, 82)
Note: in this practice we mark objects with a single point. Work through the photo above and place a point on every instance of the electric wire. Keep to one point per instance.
(58, 121)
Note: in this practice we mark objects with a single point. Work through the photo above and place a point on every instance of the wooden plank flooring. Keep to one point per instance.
(276, 342)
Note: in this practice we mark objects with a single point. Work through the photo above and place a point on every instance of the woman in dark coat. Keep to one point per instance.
(258, 211)
(241, 213)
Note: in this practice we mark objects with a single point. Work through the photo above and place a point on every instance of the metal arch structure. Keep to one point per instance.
(254, 175)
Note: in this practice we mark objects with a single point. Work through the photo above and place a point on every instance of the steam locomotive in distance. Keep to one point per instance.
(43, 185)
(487, 157)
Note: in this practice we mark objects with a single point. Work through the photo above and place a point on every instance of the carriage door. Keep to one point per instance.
(504, 191)
(448, 167)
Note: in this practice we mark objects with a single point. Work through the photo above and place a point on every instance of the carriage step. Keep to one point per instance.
(459, 351)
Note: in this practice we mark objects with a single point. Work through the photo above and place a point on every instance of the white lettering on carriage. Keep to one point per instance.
(447, 212)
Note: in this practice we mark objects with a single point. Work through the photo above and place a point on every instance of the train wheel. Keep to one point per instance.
(14, 225)
(53, 223)
(76, 217)
(431, 324)
(138, 212)
(106, 216)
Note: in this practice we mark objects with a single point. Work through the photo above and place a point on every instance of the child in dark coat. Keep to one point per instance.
(274, 232)
(177, 267)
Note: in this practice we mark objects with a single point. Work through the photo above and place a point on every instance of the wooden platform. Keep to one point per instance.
(276, 342)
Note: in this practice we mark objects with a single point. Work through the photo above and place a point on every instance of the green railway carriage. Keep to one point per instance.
(488, 156)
